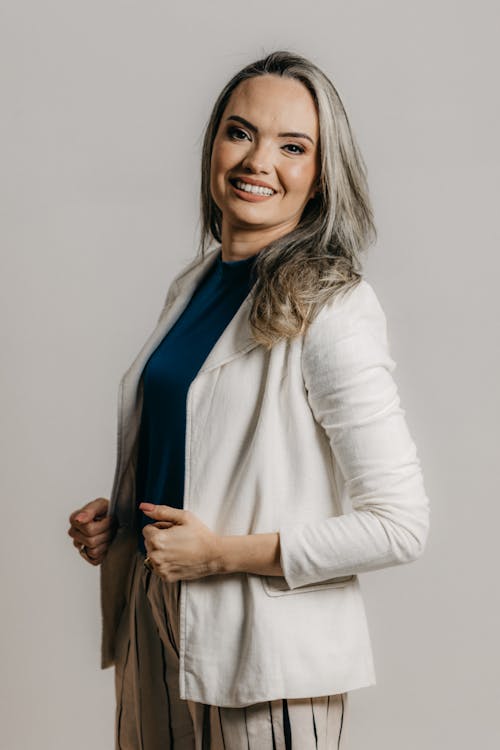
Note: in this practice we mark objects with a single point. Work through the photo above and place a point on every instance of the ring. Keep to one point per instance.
(147, 563)
(83, 551)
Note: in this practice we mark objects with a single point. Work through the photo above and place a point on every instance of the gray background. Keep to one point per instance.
(103, 108)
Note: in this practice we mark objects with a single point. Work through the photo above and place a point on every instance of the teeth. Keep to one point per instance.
(257, 189)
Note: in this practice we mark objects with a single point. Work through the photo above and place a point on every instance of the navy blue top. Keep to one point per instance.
(168, 374)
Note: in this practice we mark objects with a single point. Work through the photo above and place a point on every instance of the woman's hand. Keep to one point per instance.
(179, 545)
(92, 528)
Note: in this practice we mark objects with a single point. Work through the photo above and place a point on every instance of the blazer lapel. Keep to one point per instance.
(170, 313)
(235, 340)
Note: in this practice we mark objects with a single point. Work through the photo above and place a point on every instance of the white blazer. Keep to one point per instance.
(309, 440)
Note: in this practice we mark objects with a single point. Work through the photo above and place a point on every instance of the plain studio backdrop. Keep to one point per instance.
(102, 112)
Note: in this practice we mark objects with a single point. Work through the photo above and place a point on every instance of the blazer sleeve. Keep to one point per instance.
(347, 371)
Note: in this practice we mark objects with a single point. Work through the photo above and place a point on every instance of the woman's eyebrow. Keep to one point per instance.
(280, 135)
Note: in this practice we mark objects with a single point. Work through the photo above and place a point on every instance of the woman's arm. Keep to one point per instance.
(348, 376)
(347, 372)
(181, 546)
(250, 553)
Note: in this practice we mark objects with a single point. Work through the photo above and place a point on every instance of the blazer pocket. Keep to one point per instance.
(277, 585)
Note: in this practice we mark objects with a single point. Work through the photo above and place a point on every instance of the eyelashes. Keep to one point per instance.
(233, 130)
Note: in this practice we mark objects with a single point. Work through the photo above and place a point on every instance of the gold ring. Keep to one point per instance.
(147, 563)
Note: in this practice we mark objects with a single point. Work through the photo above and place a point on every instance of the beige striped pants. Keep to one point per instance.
(150, 715)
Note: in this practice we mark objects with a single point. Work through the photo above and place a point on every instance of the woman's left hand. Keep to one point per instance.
(179, 545)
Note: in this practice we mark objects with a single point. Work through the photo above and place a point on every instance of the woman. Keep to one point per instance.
(261, 424)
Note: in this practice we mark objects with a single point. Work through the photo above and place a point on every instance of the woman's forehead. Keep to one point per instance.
(274, 103)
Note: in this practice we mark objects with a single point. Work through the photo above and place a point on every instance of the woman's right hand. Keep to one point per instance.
(92, 527)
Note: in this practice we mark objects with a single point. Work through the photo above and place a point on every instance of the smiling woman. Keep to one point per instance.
(263, 161)
(264, 461)
(280, 123)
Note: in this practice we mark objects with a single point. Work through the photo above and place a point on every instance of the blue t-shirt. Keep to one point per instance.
(168, 374)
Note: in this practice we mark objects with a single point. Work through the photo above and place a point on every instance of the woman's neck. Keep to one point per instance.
(242, 243)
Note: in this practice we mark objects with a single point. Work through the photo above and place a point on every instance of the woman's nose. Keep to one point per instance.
(258, 159)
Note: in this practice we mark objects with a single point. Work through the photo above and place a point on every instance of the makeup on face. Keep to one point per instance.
(265, 152)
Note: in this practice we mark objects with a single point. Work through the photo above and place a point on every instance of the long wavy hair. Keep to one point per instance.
(297, 273)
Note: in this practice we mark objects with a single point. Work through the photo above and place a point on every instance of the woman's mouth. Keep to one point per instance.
(252, 193)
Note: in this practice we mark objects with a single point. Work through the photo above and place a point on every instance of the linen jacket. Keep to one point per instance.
(307, 439)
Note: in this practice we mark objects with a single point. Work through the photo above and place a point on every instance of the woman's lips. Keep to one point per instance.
(250, 197)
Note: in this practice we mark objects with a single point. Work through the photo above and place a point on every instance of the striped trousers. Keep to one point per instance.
(150, 715)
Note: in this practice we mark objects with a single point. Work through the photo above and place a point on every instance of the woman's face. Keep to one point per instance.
(268, 135)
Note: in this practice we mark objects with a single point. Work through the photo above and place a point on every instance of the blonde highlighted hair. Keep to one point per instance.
(298, 272)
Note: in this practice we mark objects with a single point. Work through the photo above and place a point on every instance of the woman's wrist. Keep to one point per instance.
(250, 553)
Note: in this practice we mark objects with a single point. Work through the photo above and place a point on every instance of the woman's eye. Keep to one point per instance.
(295, 145)
(233, 131)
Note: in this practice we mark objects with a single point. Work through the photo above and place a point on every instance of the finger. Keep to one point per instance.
(91, 561)
(153, 559)
(98, 541)
(155, 528)
(81, 537)
(96, 552)
(82, 515)
(152, 538)
(94, 511)
(79, 546)
(90, 541)
(94, 557)
(164, 512)
(96, 527)
(149, 531)
(94, 508)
